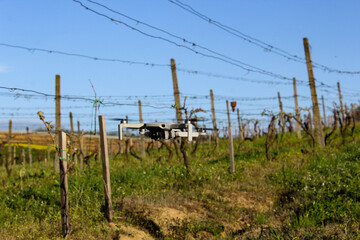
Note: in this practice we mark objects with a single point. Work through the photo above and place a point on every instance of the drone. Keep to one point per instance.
(163, 130)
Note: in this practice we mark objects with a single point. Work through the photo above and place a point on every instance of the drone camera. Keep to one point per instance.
(155, 135)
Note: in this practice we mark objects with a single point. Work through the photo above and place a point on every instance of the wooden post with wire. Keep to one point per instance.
(142, 143)
(341, 103)
(216, 133)
(81, 146)
(8, 159)
(29, 146)
(57, 118)
(72, 140)
(241, 134)
(336, 118)
(324, 111)
(106, 171)
(281, 114)
(231, 144)
(297, 113)
(319, 134)
(64, 190)
(176, 91)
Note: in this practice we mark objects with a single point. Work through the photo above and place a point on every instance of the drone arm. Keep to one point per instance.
(120, 129)
(181, 134)
(189, 136)
(128, 125)
(133, 125)
(190, 132)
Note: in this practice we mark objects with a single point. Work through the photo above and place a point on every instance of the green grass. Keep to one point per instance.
(299, 194)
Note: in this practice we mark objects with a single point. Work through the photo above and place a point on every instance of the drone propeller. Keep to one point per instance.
(208, 129)
(122, 119)
(117, 119)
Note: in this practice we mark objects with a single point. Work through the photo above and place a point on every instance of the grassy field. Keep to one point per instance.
(300, 194)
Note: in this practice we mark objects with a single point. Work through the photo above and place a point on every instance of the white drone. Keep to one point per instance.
(163, 130)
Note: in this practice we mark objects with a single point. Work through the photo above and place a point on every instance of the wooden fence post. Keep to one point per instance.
(57, 118)
(319, 134)
(324, 112)
(142, 144)
(241, 133)
(64, 190)
(341, 103)
(335, 119)
(29, 146)
(281, 114)
(8, 161)
(106, 171)
(216, 133)
(176, 91)
(297, 113)
(72, 140)
(231, 144)
(23, 158)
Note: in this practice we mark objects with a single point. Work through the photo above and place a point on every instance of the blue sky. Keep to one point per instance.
(331, 27)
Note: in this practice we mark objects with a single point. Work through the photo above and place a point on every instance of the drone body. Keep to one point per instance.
(162, 130)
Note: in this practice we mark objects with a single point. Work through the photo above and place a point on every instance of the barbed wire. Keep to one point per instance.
(259, 43)
(73, 98)
(159, 105)
(216, 75)
(15, 92)
(222, 97)
(245, 66)
(32, 49)
(189, 71)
